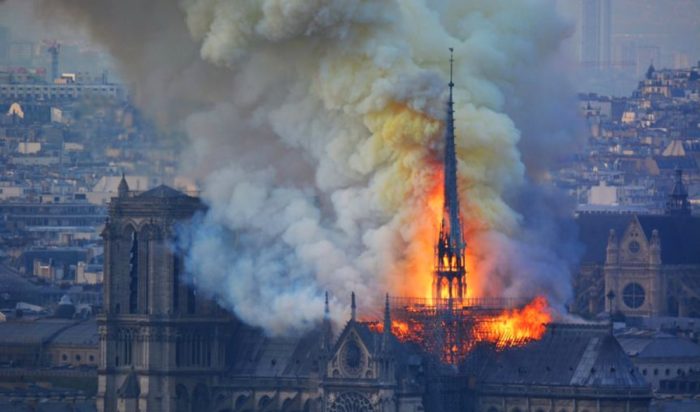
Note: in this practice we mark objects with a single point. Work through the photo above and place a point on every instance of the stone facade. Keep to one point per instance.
(153, 325)
(650, 263)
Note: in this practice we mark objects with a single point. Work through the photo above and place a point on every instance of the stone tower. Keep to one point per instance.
(161, 344)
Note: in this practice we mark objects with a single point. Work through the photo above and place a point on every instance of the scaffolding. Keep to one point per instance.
(450, 328)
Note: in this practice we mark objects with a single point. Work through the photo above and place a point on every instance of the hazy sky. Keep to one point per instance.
(671, 25)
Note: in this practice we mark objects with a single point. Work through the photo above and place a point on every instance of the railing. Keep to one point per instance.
(398, 302)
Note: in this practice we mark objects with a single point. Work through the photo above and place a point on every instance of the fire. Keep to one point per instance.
(450, 331)
(514, 327)
(469, 327)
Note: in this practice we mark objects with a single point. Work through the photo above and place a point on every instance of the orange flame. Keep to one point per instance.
(515, 327)
(410, 135)
(509, 328)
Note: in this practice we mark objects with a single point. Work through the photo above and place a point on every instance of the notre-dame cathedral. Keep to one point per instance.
(163, 347)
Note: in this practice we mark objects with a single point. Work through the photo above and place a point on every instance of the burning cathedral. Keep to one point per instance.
(164, 347)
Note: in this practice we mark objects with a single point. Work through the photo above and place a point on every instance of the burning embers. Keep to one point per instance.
(452, 332)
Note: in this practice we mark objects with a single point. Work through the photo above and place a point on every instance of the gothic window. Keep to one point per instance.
(264, 401)
(182, 401)
(240, 401)
(200, 398)
(352, 358)
(191, 303)
(634, 246)
(134, 273)
(633, 295)
(351, 402)
(176, 281)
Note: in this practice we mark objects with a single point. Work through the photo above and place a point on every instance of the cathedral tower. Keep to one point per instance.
(449, 280)
(678, 204)
(161, 344)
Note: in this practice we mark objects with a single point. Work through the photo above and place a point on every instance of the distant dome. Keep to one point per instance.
(65, 309)
(65, 300)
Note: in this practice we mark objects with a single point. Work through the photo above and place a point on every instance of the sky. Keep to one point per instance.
(672, 26)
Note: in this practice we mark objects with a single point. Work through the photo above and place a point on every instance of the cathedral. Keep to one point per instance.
(165, 347)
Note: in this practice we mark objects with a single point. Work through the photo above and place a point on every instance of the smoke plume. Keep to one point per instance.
(316, 128)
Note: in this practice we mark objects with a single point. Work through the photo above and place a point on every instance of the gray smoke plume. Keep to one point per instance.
(315, 126)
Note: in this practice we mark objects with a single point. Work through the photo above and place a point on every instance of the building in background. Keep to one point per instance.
(596, 34)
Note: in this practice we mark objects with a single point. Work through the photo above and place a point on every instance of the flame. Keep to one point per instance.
(510, 328)
(514, 327)
(399, 131)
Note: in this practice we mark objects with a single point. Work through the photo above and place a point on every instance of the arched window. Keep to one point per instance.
(351, 402)
(191, 300)
(182, 399)
(240, 401)
(264, 401)
(176, 281)
(200, 398)
(134, 273)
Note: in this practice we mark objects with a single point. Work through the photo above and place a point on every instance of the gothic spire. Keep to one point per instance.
(678, 203)
(450, 266)
(123, 189)
(451, 202)
(327, 329)
(387, 324)
(353, 308)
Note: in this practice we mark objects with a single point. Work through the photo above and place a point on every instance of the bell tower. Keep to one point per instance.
(449, 280)
(161, 343)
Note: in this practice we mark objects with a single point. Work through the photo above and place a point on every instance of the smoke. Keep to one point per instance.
(316, 127)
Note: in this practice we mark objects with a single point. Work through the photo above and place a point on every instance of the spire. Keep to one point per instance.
(353, 308)
(449, 268)
(327, 329)
(387, 324)
(123, 189)
(678, 203)
(451, 195)
(651, 70)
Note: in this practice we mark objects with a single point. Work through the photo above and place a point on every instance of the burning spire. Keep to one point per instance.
(449, 280)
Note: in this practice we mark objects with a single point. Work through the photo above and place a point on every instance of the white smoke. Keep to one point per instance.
(323, 142)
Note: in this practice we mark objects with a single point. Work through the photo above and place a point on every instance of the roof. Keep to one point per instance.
(111, 183)
(673, 162)
(657, 345)
(82, 334)
(31, 332)
(56, 331)
(679, 235)
(675, 148)
(568, 355)
(259, 355)
(162, 191)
